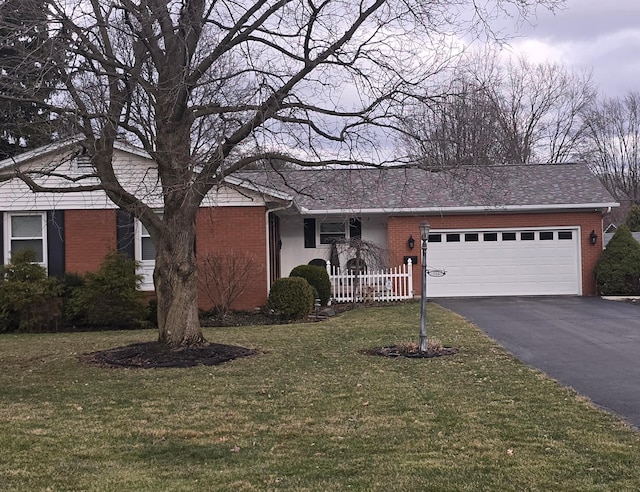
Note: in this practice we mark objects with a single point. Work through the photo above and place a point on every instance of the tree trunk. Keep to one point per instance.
(175, 278)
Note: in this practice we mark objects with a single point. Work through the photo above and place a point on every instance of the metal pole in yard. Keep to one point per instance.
(424, 239)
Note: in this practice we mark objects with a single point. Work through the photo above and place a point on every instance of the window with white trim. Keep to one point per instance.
(24, 231)
(332, 231)
(147, 248)
(145, 253)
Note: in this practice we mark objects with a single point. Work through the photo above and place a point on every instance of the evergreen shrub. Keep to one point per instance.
(318, 278)
(618, 269)
(28, 297)
(110, 296)
(291, 298)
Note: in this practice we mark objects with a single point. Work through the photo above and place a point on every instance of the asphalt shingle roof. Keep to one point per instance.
(397, 189)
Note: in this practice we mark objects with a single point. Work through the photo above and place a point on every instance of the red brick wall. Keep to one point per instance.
(241, 230)
(88, 235)
(400, 228)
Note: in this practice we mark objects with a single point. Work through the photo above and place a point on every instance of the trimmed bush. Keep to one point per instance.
(291, 298)
(618, 269)
(110, 296)
(318, 278)
(28, 298)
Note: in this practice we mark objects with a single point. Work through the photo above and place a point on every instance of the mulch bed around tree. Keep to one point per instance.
(153, 355)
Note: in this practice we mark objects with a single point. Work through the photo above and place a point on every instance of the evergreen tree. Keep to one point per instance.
(25, 121)
(618, 269)
(633, 219)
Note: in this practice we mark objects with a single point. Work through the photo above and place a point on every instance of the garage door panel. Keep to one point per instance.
(506, 267)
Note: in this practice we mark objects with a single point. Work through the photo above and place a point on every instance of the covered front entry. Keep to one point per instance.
(499, 262)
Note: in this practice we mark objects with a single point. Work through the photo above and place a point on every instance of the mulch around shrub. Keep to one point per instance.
(403, 351)
(153, 355)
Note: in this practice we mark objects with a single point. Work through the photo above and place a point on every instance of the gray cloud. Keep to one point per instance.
(594, 34)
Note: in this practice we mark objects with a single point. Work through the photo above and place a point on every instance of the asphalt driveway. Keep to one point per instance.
(588, 343)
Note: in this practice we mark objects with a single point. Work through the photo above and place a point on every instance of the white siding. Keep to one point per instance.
(137, 175)
(293, 252)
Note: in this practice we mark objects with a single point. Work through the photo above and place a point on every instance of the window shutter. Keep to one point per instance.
(309, 233)
(125, 238)
(355, 228)
(55, 243)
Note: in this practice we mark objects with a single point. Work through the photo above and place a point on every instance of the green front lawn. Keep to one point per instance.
(310, 413)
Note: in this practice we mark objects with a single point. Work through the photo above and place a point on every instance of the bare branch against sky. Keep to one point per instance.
(208, 87)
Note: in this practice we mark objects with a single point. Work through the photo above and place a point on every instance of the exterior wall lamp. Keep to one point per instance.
(411, 242)
(593, 238)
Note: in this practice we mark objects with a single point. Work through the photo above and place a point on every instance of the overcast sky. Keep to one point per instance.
(603, 35)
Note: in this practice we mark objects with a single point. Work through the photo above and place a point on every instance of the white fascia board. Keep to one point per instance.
(462, 210)
(63, 144)
(130, 149)
(259, 188)
(39, 152)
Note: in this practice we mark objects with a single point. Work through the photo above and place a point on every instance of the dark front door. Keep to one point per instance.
(275, 245)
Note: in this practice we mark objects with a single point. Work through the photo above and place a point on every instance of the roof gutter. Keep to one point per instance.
(463, 210)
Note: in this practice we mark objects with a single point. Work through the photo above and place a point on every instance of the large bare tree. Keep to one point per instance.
(493, 112)
(540, 107)
(208, 87)
(612, 146)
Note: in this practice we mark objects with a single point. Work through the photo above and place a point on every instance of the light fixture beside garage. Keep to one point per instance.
(411, 242)
(593, 238)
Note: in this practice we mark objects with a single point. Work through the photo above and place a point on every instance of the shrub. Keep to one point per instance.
(69, 283)
(110, 296)
(291, 298)
(318, 278)
(223, 277)
(152, 312)
(633, 219)
(28, 298)
(618, 269)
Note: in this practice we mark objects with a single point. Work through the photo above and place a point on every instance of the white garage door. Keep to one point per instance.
(505, 262)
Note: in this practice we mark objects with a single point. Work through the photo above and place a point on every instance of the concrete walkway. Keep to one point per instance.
(588, 343)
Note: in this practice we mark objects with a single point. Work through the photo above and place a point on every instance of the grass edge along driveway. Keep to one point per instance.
(311, 413)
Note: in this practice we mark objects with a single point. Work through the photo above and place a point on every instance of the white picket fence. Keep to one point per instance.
(391, 284)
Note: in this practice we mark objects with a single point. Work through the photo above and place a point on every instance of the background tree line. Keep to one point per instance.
(494, 112)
